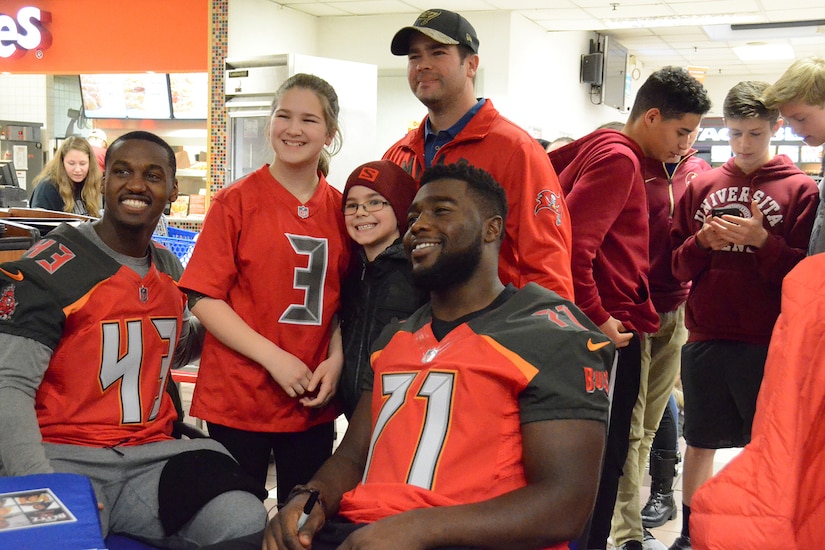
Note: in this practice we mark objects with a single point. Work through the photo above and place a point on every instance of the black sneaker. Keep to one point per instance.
(631, 545)
(681, 543)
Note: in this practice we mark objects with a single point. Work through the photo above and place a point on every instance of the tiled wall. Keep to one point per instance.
(217, 122)
(23, 98)
(40, 98)
(219, 21)
(65, 95)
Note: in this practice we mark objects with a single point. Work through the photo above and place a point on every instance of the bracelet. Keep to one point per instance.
(302, 490)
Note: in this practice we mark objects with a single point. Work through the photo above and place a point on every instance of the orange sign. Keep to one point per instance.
(101, 36)
(698, 73)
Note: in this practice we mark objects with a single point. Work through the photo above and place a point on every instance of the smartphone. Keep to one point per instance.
(730, 211)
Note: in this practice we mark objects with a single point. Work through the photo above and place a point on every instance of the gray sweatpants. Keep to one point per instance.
(125, 481)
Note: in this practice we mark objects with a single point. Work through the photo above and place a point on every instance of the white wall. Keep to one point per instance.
(367, 39)
(718, 86)
(544, 93)
(261, 27)
(532, 76)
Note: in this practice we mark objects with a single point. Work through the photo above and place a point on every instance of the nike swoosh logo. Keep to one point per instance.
(592, 346)
(16, 276)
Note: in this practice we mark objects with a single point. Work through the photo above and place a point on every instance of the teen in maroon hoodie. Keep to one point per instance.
(665, 183)
(736, 263)
(602, 178)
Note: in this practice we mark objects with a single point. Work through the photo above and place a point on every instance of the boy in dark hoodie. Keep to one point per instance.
(602, 177)
(378, 287)
(738, 230)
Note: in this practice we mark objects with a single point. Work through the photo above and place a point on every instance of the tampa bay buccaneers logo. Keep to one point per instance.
(7, 303)
(425, 18)
(549, 200)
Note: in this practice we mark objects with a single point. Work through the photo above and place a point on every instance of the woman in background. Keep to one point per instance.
(71, 181)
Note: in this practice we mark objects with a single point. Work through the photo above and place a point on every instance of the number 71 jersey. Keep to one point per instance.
(447, 414)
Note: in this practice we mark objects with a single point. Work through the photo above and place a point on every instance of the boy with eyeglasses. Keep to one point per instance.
(378, 288)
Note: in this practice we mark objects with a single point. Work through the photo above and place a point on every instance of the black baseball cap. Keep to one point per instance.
(443, 26)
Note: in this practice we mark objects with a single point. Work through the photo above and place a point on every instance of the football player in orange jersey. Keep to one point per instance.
(92, 322)
(484, 422)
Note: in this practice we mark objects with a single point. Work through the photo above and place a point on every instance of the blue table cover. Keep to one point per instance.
(49, 511)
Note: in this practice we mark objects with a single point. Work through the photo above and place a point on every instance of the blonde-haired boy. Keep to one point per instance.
(799, 94)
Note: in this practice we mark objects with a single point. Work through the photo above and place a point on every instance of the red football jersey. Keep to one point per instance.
(447, 414)
(113, 335)
(278, 263)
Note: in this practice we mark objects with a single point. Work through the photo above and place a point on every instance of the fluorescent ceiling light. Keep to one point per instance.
(678, 21)
(764, 52)
(735, 33)
(779, 25)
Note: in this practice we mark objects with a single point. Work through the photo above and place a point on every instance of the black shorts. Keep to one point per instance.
(721, 382)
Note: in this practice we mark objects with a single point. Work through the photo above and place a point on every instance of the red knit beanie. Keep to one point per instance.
(391, 181)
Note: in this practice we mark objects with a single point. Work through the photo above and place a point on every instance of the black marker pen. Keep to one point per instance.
(310, 504)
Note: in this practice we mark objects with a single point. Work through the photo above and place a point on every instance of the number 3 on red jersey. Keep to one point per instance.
(310, 279)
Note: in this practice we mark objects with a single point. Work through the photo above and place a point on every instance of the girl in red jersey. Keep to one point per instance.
(264, 279)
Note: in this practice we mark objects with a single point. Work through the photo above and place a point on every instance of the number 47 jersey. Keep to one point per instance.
(447, 414)
(112, 332)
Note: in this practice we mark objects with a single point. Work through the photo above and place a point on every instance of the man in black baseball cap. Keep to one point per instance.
(442, 65)
(445, 27)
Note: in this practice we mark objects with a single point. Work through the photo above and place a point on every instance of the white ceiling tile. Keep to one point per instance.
(556, 25)
(519, 5)
(792, 13)
(631, 12)
(715, 7)
(620, 4)
(319, 9)
(372, 7)
(651, 46)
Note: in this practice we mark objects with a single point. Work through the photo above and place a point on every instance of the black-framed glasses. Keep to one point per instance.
(372, 205)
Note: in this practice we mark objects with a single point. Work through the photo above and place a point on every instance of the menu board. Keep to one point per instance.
(190, 95)
(720, 153)
(140, 96)
(810, 155)
(791, 150)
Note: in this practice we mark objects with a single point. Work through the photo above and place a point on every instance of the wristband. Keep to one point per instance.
(305, 489)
